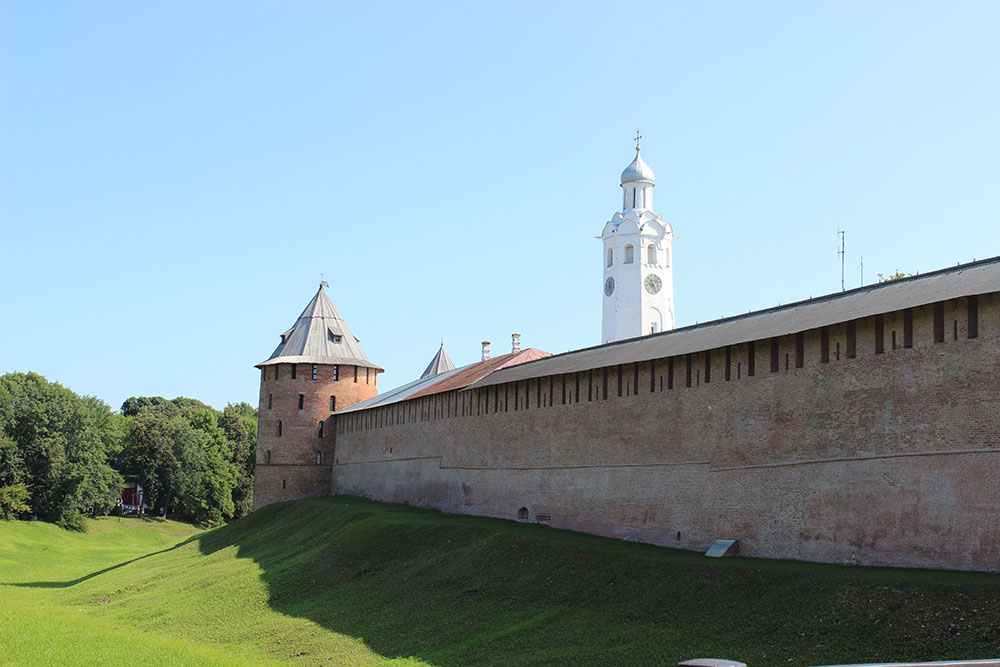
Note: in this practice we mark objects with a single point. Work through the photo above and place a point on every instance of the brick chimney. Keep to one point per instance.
(515, 343)
(486, 350)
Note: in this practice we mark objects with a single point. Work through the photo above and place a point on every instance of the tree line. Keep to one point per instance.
(63, 455)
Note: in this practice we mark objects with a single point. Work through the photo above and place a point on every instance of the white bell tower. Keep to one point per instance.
(637, 259)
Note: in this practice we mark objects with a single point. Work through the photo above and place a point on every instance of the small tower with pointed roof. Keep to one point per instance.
(638, 289)
(317, 368)
(439, 364)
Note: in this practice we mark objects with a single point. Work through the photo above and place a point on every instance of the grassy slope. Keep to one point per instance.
(346, 581)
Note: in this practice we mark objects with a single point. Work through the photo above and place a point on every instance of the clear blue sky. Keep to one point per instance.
(174, 177)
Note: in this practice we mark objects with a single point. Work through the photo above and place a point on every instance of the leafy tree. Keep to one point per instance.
(14, 500)
(182, 456)
(218, 474)
(239, 422)
(60, 447)
(166, 453)
(133, 404)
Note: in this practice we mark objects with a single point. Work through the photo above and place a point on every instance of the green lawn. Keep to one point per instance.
(348, 582)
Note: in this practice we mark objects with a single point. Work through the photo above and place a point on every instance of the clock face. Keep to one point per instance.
(609, 286)
(653, 283)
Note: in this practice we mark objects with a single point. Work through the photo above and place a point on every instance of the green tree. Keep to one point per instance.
(239, 422)
(61, 443)
(214, 500)
(165, 452)
(14, 500)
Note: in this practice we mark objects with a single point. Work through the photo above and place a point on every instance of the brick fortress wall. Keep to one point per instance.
(293, 457)
(874, 441)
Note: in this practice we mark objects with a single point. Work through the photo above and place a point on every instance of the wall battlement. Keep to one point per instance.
(873, 440)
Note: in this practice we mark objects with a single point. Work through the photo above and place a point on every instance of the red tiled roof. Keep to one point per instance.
(466, 376)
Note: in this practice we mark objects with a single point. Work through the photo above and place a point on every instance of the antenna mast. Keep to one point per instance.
(840, 252)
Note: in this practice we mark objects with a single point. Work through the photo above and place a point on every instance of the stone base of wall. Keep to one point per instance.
(274, 483)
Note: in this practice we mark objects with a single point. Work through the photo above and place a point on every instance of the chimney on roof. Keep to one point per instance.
(515, 343)
(486, 350)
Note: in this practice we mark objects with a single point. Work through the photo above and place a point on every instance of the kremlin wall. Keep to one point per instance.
(862, 427)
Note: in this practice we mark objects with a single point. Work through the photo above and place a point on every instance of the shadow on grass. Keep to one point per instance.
(97, 573)
(454, 590)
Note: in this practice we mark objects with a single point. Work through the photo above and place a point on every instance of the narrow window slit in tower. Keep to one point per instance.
(294, 367)
(315, 371)
(670, 373)
(908, 328)
(635, 377)
(893, 339)
(604, 385)
(800, 349)
(954, 334)
(879, 334)
(269, 400)
(774, 355)
(708, 366)
(824, 345)
(652, 375)
(786, 361)
(302, 398)
(320, 432)
(619, 379)
(687, 372)
(333, 403)
(729, 363)
(750, 359)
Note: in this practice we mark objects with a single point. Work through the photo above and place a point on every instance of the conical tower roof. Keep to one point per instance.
(320, 336)
(439, 364)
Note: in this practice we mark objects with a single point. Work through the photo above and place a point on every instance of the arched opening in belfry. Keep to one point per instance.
(651, 254)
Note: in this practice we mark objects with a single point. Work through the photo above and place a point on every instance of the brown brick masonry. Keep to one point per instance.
(873, 441)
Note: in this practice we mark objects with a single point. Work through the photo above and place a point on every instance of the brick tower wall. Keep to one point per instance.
(838, 447)
(295, 462)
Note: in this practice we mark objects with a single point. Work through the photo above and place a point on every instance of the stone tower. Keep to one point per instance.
(316, 369)
(638, 279)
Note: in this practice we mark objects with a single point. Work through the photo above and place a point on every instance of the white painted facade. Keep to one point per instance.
(638, 288)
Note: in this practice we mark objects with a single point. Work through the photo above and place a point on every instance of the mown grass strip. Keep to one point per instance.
(346, 581)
